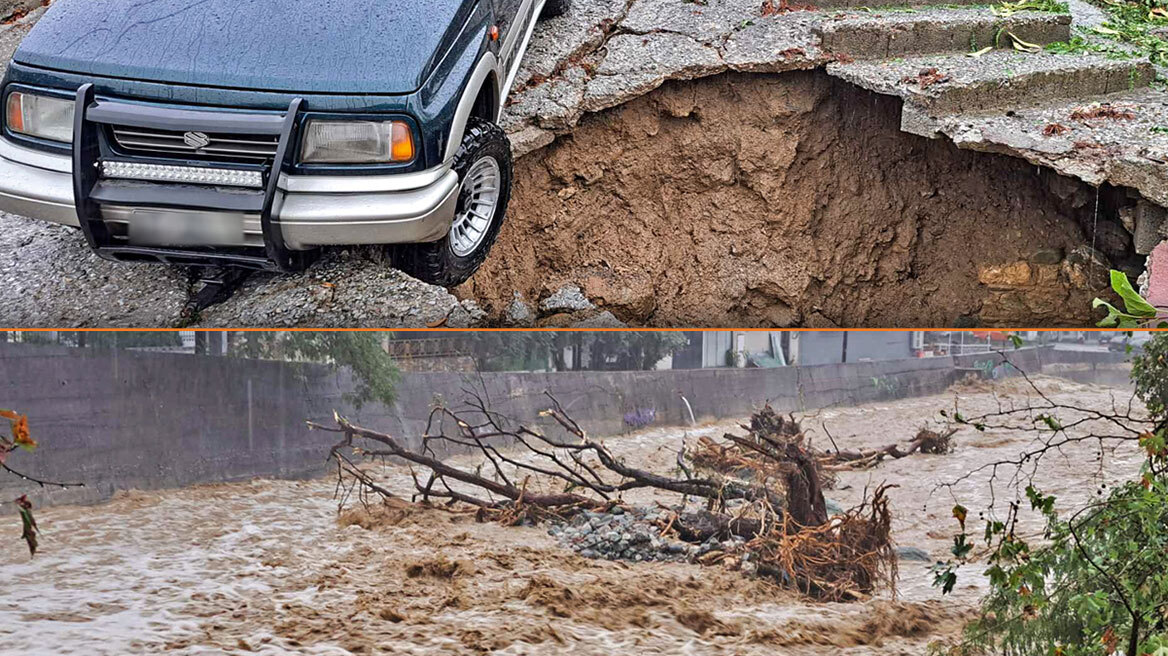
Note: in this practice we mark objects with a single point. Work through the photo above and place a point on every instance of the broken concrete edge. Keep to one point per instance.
(542, 112)
(624, 60)
(11, 10)
(634, 49)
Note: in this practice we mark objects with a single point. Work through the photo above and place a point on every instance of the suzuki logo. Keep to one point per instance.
(196, 140)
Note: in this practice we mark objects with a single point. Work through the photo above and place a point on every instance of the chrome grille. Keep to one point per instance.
(165, 143)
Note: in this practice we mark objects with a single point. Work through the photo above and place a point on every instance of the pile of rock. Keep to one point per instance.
(568, 307)
(632, 533)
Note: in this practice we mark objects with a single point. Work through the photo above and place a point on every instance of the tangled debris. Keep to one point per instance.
(926, 441)
(1105, 111)
(750, 458)
(752, 503)
(848, 556)
(926, 78)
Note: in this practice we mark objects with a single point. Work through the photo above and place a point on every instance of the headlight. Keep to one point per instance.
(44, 117)
(357, 142)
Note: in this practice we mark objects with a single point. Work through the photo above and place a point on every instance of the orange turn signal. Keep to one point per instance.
(15, 113)
(403, 143)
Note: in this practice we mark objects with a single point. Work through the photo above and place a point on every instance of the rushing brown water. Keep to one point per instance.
(266, 567)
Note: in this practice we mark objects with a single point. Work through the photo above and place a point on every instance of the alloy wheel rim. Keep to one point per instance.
(478, 199)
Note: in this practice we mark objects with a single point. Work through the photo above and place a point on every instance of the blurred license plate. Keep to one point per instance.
(151, 227)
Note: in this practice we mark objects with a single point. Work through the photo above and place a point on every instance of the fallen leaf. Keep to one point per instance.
(960, 513)
(20, 433)
(1023, 46)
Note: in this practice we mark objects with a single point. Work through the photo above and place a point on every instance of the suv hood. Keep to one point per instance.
(310, 46)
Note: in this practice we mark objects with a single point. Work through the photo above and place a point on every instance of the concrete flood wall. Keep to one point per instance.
(119, 420)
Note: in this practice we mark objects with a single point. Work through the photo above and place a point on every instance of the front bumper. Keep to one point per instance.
(310, 211)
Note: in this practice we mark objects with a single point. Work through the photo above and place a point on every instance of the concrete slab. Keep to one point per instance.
(884, 34)
(1126, 146)
(941, 84)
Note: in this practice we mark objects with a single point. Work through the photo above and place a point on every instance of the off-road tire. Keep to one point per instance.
(554, 8)
(436, 262)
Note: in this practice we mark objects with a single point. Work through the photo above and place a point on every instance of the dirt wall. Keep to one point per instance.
(791, 199)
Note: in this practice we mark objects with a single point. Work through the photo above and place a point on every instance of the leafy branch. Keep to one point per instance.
(22, 439)
(1137, 312)
(1090, 581)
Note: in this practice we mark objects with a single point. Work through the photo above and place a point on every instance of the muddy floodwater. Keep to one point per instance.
(268, 567)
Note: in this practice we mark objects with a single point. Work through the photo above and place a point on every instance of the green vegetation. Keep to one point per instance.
(375, 376)
(604, 350)
(1050, 6)
(112, 339)
(1079, 45)
(1094, 581)
(1137, 312)
(1128, 32)
(1099, 583)
(21, 438)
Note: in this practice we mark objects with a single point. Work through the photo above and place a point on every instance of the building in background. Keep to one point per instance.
(777, 348)
(463, 352)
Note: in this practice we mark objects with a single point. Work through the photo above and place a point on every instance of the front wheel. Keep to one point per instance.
(553, 8)
(484, 167)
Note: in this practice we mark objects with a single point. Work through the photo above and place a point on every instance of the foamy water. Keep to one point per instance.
(265, 567)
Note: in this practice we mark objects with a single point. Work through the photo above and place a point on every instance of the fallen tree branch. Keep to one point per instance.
(548, 457)
(524, 473)
(926, 441)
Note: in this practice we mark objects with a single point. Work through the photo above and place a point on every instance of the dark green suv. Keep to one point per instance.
(252, 133)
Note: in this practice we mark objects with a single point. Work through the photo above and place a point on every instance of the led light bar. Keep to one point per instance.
(185, 174)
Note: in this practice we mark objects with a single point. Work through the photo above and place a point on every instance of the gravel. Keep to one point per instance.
(354, 288)
(632, 533)
(49, 278)
(568, 298)
(519, 313)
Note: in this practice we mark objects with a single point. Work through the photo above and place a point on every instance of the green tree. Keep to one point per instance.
(1096, 582)
(639, 350)
(595, 350)
(375, 375)
(512, 351)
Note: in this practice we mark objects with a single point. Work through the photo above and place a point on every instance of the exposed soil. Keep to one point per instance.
(268, 567)
(779, 200)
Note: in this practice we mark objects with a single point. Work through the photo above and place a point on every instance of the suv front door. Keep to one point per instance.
(514, 18)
